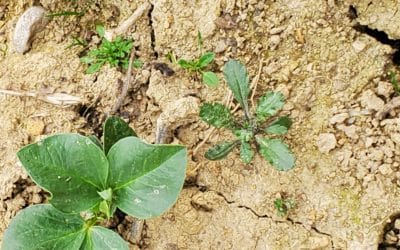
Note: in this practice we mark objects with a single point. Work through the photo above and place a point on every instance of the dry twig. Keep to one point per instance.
(126, 85)
(254, 83)
(52, 98)
(111, 34)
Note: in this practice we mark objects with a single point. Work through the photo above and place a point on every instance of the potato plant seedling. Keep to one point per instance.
(249, 129)
(88, 180)
(116, 53)
(199, 65)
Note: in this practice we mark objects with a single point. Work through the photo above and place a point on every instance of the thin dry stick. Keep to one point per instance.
(52, 98)
(254, 83)
(125, 87)
(125, 25)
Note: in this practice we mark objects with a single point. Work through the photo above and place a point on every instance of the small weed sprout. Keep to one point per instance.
(116, 53)
(394, 81)
(248, 129)
(199, 65)
(88, 180)
(283, 206)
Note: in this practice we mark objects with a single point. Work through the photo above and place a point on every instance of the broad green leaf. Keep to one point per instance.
(279, 126)
(71, 167)
(94, 68)
(246, 153)
(44, 227)
(210, 78)
(95, 140)
(220, 150)
(205, 59)
(114, 130)
(238, 81)
(277, 153)
(100, 30)
(269, 104)
(146, 179)
(216, 115)
(100, 238)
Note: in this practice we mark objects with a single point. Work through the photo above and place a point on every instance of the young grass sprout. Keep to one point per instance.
(283, 206)
(249, 129)
(88, 180)
(116, 53)
(200, 65)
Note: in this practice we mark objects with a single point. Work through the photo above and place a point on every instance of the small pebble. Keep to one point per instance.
(326, 142)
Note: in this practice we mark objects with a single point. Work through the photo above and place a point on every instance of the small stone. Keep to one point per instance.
(32, 21)
(274, 41)
(339, 118)
(35, 127)
(371, 101)
(385, 169)
(326, 142)
(358, 46)
(397, 224)
(350, 131)
(384, 89)
(220, 47)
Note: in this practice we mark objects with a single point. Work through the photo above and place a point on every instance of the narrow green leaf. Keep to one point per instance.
(238, 81)
(246, 153)
(269, 104)
(205, 59)
(114, 130)
(146, 179)
(106, 194)
(86, 59)
(103, 239)
(277, 153)
(94, 68)
(71, 167)
(100, 30)
(44, 227)
(211, 79)
(199, 40)
(104, 208)
(184, 64)
(220, 150)
(216, 115)
(279, 126)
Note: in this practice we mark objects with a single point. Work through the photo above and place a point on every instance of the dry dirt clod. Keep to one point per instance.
(371, 101)
(32, 21)
(326, 142)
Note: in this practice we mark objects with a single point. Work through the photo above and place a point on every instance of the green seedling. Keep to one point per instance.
(283, 206)
(248, 129)
(115, 53)
(199, 65)
(77, 42)
(88, 180)
(395, 83)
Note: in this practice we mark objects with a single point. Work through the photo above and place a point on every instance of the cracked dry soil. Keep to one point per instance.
(346, 133)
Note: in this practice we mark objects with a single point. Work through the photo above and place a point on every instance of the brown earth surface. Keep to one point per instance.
(319, 54)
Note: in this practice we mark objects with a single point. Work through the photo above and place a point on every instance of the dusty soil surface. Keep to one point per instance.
(322, 55)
